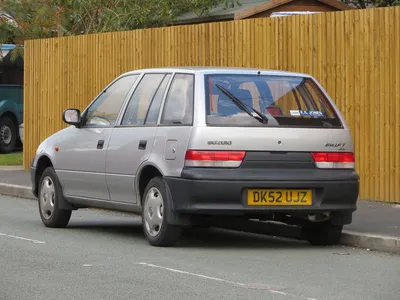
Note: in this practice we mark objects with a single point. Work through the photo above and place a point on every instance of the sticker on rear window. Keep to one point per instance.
(306, 113)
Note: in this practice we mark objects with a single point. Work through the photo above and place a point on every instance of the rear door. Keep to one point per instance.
(176, 123)
(132, 140)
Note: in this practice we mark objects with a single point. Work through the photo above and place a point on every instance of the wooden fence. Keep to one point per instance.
(354, 54)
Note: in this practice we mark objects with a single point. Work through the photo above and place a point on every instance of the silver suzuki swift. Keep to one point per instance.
(190, 146)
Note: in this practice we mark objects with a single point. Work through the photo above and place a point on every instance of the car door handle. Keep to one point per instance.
(142, 145)
(100, 144)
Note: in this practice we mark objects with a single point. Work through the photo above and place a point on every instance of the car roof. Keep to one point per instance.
(214, 70)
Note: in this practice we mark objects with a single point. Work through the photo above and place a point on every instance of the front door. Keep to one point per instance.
(81, 162)
(81, 158)
(132, 140)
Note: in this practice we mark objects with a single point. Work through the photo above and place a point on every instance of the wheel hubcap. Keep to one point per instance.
(47, 198)
(5, 134)
(153, 211)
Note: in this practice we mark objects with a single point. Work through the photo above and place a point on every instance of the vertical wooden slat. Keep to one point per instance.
(245, 45)
(294, 44)
(362, 68)
(381, 103)
(392, 104)
(373, 128)
(385, 72)
(321, 49)
(397, 105)
(355, 99)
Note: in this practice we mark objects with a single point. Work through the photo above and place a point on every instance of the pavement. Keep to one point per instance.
(375, 226)
(104, 255)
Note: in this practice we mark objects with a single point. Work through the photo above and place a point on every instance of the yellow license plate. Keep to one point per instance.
(279, 197)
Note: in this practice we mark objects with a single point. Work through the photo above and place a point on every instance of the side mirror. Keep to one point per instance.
(72, 116)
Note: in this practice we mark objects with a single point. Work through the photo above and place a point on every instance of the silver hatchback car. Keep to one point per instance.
(190, 146)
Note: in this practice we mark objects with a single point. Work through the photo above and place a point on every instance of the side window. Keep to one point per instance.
(178, 108)
(154, 109)
(104, 111)
(141, 99)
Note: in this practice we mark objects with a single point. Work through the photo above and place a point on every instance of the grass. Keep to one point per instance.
(12, 159)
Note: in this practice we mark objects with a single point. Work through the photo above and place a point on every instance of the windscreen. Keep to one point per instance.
(284, 100)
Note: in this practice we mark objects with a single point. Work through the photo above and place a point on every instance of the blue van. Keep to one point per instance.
(11, 116)
(11, 99)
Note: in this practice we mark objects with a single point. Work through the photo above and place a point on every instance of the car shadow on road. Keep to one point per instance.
(121, 227)
(256, 235)
(225, 238)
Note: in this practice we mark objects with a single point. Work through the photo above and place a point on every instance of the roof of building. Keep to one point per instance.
(246, 9)
(5, 57)
(219, 13)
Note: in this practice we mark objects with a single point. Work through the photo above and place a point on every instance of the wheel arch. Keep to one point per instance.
(42, 164)
(12, 116)
(146, 172)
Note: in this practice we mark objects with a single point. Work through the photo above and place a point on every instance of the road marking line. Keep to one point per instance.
(192, 274)
(279, 292)
(22, 238)
(219, 279)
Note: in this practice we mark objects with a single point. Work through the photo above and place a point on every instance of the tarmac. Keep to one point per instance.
(375, 225)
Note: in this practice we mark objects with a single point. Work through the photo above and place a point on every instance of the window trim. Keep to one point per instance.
(83, 114)
(125, 107)
(165, 100)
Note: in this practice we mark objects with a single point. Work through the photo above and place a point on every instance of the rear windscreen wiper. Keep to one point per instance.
(259, 116)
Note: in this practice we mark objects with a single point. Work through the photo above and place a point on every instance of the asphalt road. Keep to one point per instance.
(103, 255)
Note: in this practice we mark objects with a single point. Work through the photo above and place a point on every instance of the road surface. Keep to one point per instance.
(104, 255)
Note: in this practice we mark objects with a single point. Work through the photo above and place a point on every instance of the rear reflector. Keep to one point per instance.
(334, 160)
(218, 159)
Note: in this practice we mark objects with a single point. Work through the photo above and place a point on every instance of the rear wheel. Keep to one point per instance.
(154, 218)
(8, 135)
(322, 233)
(50, 196)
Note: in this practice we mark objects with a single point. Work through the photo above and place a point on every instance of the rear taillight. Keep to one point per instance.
(334, 160)
(216, 159)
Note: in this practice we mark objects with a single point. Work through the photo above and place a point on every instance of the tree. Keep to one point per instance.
(48, 18)
(371, 3)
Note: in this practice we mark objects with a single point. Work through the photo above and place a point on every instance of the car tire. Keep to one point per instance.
(49, 197)
(156, 208)
(8, 135)
(322, 234)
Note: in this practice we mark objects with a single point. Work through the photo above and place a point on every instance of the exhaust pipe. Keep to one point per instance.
(319, 217)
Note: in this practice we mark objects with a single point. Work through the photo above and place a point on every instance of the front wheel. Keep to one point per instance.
(154, 218)
(8, 135)
(50, 196)
(322, 234)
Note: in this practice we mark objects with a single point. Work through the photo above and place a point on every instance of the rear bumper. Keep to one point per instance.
(196, 194)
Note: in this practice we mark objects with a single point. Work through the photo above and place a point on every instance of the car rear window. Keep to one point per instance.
(285, 100)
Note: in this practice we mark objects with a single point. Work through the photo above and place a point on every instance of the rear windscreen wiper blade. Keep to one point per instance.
(259, 116)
